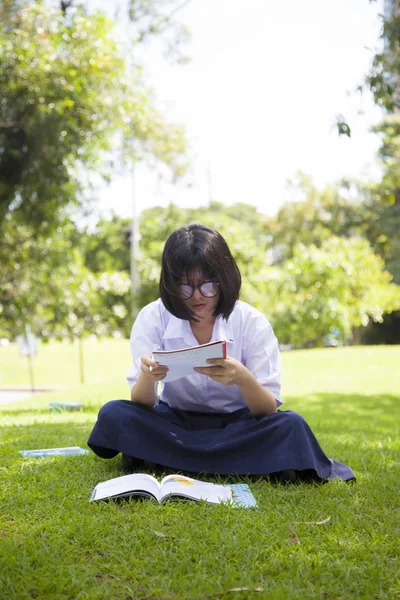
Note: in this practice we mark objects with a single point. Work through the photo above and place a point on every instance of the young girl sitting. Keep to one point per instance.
(223, 418)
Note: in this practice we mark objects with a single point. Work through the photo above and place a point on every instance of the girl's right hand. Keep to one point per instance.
(152, 370)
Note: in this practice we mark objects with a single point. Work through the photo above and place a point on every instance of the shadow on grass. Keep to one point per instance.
(16, 411)
(56, 472)
(355, 429)
(353, 409)
(345, 413)
(317, 404)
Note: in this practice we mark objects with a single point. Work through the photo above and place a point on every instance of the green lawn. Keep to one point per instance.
(58, 364)
(55, 545)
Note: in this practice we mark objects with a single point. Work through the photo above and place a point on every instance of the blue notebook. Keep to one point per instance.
(60, 406)
(242, 495)
(70, 451)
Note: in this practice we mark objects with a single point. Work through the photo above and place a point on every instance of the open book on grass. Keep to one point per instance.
(181, 362)
(176, 486)
(141, 484)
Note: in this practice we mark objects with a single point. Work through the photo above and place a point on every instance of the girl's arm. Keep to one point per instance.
(144, 390)
(259, 400)
(230, 371)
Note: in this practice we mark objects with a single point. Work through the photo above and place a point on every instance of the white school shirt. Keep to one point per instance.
(249, 338)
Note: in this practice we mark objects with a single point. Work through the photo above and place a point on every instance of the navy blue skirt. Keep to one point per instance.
(226, 444)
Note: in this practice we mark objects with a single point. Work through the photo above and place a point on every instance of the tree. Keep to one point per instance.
(348, 209)
(158, 18)
(340, 209)
(312, 289)
(44, 284)
(62, 113)
(320, 288)
(317, 290)
(329, 290)
(383, 79)
(106, 247)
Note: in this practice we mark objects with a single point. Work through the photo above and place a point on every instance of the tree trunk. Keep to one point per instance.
(355, 336)
(81, 361)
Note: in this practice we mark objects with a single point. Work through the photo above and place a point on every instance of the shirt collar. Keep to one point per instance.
(176, 328)
(179, 328)
(223, 329)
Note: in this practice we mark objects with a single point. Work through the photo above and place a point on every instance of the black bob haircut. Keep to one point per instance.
(192, 250)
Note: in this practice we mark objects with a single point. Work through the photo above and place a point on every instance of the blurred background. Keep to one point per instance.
(276, 123)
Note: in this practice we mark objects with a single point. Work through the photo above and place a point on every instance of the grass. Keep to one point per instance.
(55, 545)
(57, 364)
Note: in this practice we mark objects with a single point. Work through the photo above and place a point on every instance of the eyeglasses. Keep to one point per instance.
(208, 289)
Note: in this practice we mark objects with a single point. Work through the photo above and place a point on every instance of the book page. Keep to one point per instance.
(181, 362)
(186, 487)
(139, 484)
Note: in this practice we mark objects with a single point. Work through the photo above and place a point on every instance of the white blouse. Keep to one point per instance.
(249, 338)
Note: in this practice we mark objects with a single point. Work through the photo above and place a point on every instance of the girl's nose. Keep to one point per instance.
(197, 294)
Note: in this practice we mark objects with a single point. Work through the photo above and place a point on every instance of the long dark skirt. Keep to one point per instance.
(229, 443)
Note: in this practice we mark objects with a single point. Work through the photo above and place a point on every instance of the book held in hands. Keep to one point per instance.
(172, 486)
(181, 362)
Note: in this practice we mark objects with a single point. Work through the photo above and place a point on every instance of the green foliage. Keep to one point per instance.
(89, 304)
(28, 273)
(380, 203)
(389, 155)
(383, 79)
(328, 290)
(342, 127)
(73, 283)
(106, 248)
(389, 223)
(339, 210)
(158, 18)
(71, 99)
(45, 284)
(348, 209)
(315, 290)
(383, 232)
(68, 95)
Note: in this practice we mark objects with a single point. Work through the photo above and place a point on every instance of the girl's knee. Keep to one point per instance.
(293, 417)
(110, 411)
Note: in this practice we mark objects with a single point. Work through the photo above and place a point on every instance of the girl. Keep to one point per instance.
(224, 418)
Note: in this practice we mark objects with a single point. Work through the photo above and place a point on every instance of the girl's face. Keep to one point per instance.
(202, 306)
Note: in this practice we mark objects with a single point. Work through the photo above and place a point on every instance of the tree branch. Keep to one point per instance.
(65, 5)
(164, 21)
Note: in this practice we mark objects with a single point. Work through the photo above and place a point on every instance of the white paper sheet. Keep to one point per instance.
(125, 484)
(186, 487)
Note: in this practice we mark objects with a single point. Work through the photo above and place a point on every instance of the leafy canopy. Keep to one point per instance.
(70, 96)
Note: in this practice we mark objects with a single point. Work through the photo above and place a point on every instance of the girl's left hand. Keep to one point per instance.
(227, 371)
